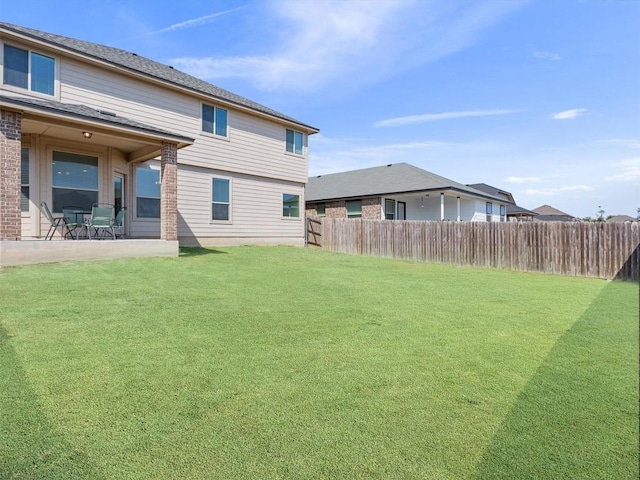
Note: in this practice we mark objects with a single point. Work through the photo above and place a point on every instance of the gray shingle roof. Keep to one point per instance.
(515, 209)
(549, 210)
(496, 192)
(136, 63)
(386, 180)
(84, 112)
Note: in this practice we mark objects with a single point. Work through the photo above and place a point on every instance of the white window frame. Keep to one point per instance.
(489, 211)
(285, 217)
(392, 212)
(213, 133)
(151, 165)
(229, 203)
(324, 213)
(503, 213)
(56, 71)
(27, 151)
(302, 146)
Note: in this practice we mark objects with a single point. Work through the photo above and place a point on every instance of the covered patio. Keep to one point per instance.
(59, 153)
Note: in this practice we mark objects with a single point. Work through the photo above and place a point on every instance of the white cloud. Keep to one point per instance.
(194, 22)
(554, 57)
(432, 117)
(197, 21)
(318, 43)
(569, 114)
(622, 142)
(523, 179)
(630, 171)
(557, 190)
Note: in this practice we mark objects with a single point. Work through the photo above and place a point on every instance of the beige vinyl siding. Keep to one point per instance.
(256, 206)
(255, 146)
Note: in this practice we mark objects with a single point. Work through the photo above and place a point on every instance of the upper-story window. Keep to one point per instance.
(29, 70)
(294, 141)
(214, 120)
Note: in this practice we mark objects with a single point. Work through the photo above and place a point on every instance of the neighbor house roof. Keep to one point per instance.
(621, 219)
(391, 179)
(549, 213)
(83, 112)
(150, 68)
(516, 210)
(549, 210)
(512, 208)
(496, 192)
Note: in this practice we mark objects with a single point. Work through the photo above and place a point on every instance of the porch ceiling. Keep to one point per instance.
(74, 133)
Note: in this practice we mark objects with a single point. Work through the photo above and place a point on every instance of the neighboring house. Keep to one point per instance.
(621, 219)
(546, 213)
(399, 192)
(84, 123)
(514, 212)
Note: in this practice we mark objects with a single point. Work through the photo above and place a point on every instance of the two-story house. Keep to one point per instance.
(82, 123)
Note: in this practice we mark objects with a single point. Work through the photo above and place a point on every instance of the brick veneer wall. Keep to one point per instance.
(169, 191)
(371, 208)
(10, 163)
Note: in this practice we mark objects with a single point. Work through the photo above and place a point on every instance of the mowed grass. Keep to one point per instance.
(263, 362)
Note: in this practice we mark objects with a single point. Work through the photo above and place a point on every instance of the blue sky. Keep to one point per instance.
(540, 98)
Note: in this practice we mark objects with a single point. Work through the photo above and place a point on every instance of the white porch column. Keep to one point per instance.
(442, 206)
(458, 208)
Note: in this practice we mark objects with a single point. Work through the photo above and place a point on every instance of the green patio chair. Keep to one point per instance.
(118, 224)
(102, 221)
(54, 222)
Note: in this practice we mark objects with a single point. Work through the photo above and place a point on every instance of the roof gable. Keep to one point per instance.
(147, 67)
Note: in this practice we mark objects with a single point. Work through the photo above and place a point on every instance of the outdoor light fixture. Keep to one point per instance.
(87, 134)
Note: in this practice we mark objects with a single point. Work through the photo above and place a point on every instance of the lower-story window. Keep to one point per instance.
(148, 192)
(75, 181)
(290, 205)
(24, 182)
(489, 211)
(220, 199)
(390, 209)
(321, 209)
(503, 213)
(354, 209)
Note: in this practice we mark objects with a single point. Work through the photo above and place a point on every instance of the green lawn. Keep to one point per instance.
(259, 362)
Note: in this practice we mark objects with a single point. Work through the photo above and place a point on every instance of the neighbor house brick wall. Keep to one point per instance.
(169, 191)
(10, 147)
(336, 209)
(371, 208)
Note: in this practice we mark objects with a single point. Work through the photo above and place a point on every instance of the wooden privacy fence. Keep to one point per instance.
(600, 250)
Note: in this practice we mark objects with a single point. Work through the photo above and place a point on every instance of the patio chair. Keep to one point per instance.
(101, 221)
(54, 222)
(73, 219)
(118, 224)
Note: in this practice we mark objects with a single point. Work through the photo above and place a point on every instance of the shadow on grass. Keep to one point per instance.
(578, 416)
(198, 251)
(29, 446)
